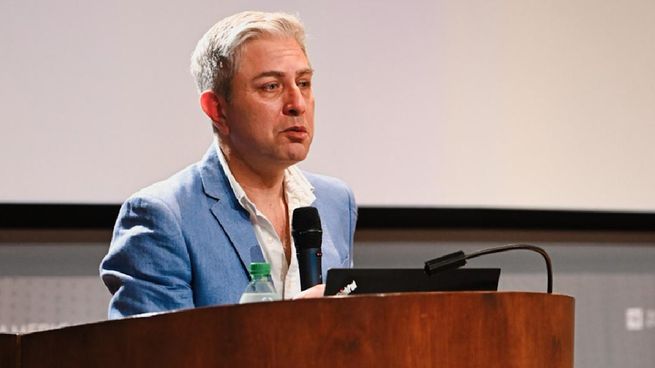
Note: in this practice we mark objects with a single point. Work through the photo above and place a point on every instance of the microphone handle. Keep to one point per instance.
(309, 265)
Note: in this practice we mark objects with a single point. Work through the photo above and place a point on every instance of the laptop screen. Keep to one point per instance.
(344, 281)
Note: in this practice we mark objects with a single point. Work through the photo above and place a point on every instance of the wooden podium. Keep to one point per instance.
(472, 329)
(8, 351)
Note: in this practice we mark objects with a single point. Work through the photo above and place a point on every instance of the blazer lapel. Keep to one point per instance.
(331, 257)
(233, 218)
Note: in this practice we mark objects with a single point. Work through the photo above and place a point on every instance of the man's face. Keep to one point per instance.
(270, 116)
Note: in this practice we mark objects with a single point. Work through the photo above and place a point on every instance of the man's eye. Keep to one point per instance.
(304, 83)
(270, 86)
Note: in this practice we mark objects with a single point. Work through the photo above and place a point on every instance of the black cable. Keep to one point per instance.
(534, 248)
(458, 259)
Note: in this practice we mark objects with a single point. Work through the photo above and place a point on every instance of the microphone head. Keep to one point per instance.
(305, 218)
(306, 228)
(447, 262)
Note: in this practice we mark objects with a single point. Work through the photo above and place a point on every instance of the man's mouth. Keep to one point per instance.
(300, 129)
(296, 133)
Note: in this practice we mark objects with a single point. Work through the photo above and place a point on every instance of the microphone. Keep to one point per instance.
(307, 236)
(458, 259)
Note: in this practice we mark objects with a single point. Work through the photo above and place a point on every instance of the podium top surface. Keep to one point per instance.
(512, 329)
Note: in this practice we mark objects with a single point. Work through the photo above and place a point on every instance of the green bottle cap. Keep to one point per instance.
(259, 269)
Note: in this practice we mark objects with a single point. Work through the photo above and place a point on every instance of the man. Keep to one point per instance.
(187, 241)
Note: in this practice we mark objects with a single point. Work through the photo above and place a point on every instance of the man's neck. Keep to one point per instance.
(263, 187)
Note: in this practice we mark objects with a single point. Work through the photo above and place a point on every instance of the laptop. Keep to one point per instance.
(354, 281)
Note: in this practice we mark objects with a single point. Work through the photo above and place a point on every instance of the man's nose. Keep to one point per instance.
(294, 104)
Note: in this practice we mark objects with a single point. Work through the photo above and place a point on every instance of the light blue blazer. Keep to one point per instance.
(186, 242)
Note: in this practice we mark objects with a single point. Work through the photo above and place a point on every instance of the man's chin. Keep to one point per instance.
(294, 159)
(296, 155)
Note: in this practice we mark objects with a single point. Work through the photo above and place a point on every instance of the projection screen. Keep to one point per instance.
(485, 104)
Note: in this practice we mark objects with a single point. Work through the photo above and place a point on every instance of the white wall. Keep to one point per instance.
(512, 103)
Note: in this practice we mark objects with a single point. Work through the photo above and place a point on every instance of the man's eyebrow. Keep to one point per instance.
(309, 71)
(278, 74)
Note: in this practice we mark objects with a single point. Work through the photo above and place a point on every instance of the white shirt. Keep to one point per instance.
(298, 193)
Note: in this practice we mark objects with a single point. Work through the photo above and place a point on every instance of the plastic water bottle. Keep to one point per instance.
(260, 288)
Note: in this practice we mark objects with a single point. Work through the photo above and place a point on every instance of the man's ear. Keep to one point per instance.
(213, 105)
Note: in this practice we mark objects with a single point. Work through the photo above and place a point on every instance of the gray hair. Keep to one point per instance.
(215, 60)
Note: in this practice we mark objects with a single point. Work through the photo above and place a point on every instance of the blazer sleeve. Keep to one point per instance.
(147, 268)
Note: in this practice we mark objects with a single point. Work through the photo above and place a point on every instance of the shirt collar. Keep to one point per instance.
(299, 191)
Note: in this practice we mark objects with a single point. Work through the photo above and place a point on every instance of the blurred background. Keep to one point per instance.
(542, 110)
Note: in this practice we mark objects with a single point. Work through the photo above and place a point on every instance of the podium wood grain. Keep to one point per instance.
(9, 351)
(478, 329)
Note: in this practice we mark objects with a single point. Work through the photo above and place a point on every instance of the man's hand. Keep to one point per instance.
(315, 291)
